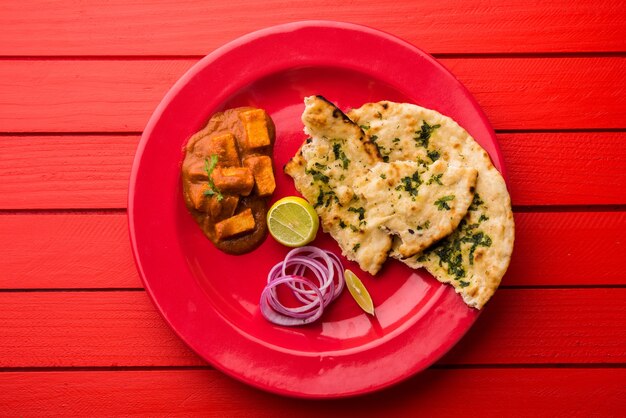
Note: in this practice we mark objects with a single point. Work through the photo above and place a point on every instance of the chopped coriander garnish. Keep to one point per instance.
(435, 178)
(423, 135)
(364, 127)
(328, 195)
(452, 249)
(433, 155)
(209, 166)
(410, 183)
(356, 247)
(331, 196)
(381, 150)
(317, 176)
(476, 202)
(383, 176)
(476, 239)
(340, 155)
(320, 199)
(442, 202)
(360, 211)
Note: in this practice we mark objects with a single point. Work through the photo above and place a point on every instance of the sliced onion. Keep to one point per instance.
(313, 294)
(277, 313)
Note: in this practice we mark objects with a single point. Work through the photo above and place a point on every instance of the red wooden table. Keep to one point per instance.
(78, 82)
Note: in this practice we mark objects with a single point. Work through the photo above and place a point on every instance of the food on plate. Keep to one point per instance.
(292, 221)
(418, 204)
(228, 176)
(324, 169)
(364, 201)
(399, 179)
(359, 292)
(477, 253)
(308, 297)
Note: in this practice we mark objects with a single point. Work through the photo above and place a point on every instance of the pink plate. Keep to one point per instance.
(211, 299)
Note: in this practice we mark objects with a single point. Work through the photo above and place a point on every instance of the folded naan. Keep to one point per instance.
(364, 202)
(476, 255)
(324, 171)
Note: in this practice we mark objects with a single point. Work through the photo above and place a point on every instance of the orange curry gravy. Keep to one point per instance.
(231, 206)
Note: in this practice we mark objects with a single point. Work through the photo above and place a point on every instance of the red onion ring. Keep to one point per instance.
(314, 294)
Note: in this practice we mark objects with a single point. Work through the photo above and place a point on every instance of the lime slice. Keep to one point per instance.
(359, 292)
(292, 221)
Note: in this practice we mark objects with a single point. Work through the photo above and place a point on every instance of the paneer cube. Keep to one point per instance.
(197, 171)
(233, 180)
(195, 196)
(223, 145)
(256, 128)
(235, 225)
(222, 209)
(261, 167)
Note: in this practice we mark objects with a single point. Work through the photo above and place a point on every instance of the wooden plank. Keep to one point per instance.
(581, 168)
(77, 171)
(568, 248)
(546, 93)
(120, 95)
(83, 96)
(93, 251)
(51, 251)
(74, 329)
(85, 329)
(577, 326)
(208, 393)
(37, 27)
(100, 167)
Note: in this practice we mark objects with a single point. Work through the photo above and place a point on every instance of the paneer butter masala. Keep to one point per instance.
(228, 177)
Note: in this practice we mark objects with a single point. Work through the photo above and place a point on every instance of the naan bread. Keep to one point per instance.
(476, 255)
(418, 203)
(324, 171)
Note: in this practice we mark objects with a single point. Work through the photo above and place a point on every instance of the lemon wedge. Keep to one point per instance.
(359, 292)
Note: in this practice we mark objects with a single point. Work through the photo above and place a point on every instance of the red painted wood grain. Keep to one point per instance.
(120, 95)
(568, 248)
(91, 171)
(440, 392)
(38, 27)
(93, 251)
(83, 96)
(579, 168)
(546, 93)
(104, 329)
(66, 251)
(63, 172)
(549, 75)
